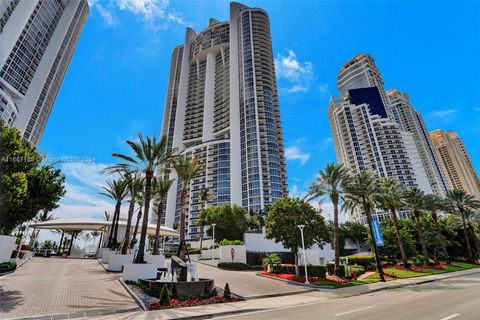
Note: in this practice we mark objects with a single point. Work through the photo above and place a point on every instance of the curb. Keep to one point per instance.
(133, 295)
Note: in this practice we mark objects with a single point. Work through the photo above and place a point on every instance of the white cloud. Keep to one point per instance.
(476, 109)
(443, 113)
(153, 12)
(296, 73)
(326, 143)
(84, 182)
(294, 153)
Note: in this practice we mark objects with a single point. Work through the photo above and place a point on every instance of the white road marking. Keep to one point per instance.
(451, 316)
(351, 311)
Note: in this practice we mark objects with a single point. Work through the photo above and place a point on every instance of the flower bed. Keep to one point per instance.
(290, 277)
(145, 294)
(177, 303)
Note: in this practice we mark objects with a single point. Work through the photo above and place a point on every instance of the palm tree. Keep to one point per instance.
(187, 169)
(472, 218)
(462, 201)
(150, 156)
(390, 199)
(204, 196)
(134, 185)
(415, 200)
(161, 188)
(140, 201)
(331, 182)
(45, 215)
(361, 192)
(115, 190)
(434, 204)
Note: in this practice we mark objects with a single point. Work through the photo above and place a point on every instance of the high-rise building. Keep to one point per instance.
(37, 41)
(222, 107)
(409, 120)
(361, 72)
(361, 81)
(364, 140)
(456, 162)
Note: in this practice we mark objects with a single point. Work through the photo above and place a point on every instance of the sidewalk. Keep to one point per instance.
(318, 296)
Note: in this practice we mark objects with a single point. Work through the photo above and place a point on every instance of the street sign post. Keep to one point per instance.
(377, 233)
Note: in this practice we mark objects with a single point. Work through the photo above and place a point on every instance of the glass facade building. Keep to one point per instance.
(37, 41)
(222, 107)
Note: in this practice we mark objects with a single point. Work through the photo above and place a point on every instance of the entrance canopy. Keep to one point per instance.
(96, 225)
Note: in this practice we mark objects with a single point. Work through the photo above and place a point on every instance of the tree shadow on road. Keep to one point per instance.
(10, 300)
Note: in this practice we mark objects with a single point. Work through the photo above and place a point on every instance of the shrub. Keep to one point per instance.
(226, 242)
(7, 266)
(164, 296)
(194, 251)
(234, 266)
(271, 258)
(368, 262)
(313, 271)
(359, 269)
(226, 292)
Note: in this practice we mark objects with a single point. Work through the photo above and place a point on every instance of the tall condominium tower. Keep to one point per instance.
(222, 107)
(411, 121)
(360, 79)
(456, 162)
(361, 72)
(37, 41)
(364, 140)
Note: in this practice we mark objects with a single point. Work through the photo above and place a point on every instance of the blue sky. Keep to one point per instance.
(117, 79)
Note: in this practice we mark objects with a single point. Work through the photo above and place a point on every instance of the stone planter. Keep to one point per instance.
(158, 260)
(116, 261)
(181, 288)
(101, 251)
(7, 245)
(135, 271)
(106, 254)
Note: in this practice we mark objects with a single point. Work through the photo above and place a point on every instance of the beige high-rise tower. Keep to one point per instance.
(456, 162)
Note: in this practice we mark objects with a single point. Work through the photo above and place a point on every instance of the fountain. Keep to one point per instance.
(182, 279)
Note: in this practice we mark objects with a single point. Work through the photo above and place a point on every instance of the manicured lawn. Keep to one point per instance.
(401, 274)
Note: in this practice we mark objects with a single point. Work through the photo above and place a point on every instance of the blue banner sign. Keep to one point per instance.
(377, 233)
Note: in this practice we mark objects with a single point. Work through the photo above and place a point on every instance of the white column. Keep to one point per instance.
(209, 99)
(235, 152)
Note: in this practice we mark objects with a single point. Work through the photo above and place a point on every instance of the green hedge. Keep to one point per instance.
(7, 266)
(226, 242)
(359, 269)
(194, 251)
(368, 262)
(313, 271)
(235, 266)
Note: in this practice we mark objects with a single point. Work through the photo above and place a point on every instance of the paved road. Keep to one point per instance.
(246, 283)
(59, 286)
(455, 298)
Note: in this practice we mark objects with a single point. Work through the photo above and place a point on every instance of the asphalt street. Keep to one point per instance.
(455, 298)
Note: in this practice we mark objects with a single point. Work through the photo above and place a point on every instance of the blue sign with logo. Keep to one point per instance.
(377, 233)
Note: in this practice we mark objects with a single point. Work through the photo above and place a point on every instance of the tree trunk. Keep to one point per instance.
(32, 239)
(126, 238)
(201, 235)
(421, 237)
(183, 200)
(143, 235)
(393, 213)
(297, 269)
(61, 241)
(157, 230)
(441, 237)
(71, 244)
(115, 231)
(476, 252)
(135, 232)
(110, 233)
(469, 248)
(336, 236)
(375, 250)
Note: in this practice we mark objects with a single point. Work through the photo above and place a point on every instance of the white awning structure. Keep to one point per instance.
(96, 225)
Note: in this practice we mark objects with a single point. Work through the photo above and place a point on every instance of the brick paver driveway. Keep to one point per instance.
(247, 284)
(54, 286)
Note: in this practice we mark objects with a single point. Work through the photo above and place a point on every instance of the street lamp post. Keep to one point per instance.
(213, 226)
(301, 226)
